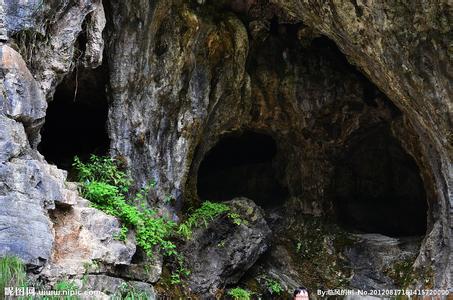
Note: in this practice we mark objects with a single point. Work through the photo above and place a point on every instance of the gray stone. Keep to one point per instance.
(85, 243)
(20, 96)
(222, 252)
(115, 287)
(27, 191)
(12, 139)
(95, 43)
(373, 254)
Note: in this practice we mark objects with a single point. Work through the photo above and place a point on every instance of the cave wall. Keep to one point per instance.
(183, 74)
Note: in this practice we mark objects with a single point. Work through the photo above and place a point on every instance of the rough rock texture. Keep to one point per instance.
(185, 66)
(404, 49)
(116, 287)
(374, 255)
(28, 186)
(85, 242)
(221, 253)
(46, 53)
(194, 65)
(21, 98)
(185, 74)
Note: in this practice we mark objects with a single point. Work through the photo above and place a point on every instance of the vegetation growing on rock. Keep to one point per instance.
(12, 273)
(238, 293)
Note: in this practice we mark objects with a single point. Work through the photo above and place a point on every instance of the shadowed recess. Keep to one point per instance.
(241, 165)
(76, 120)
(378, 188)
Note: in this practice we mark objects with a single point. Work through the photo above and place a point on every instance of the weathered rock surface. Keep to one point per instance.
(221, 253)
(85, 242)
(404, 51)
(184, 75)
(116, 287)
(373, 257)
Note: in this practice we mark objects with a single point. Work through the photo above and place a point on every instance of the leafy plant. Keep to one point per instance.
(274, 286)
(68, 288)
(12, 273)
(236, 218)
(102, 169)
(201, 216)
(121, 236)
(240, 294)
(106, 187)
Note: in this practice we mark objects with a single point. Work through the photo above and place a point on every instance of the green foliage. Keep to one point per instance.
(240, 294)
(201, 216)
(102, 169)
(402, 272)
(12, 273)
(274, 286)
(121, 236)
(105, 185)
(66, 286)
(236, 218)
(298, 247)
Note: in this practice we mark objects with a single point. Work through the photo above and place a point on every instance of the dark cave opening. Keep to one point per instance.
(241, 165)
(378, 188)
(76, 119)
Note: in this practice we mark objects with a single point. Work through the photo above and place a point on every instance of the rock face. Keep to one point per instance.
(85, 242)
(223, 251)
(372, 269)
(320, 79)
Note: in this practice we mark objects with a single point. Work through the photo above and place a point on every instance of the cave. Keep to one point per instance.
(378, 188)
(76, 119)
(241, 165)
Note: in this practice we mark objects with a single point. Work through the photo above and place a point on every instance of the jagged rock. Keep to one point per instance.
(155, 127)
(403, 50)
(114, 287)
(95, 44)
(85, 242)
(27, 191)
(222, 252)
(373, 256)
(20, 96)
(142, 268)
(12, 139)
(184, 75)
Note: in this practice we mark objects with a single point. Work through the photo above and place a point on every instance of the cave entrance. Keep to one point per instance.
(378, 188)
(76, 119)
(241, 165)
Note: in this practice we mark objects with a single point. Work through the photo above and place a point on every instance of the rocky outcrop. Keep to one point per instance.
(85, 242)
(404, 51)
(222, 252)
(374, 257)
(183, 75)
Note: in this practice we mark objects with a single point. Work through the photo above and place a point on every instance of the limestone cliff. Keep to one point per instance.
(333, 116)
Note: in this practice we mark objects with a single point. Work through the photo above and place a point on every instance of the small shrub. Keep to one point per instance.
(122, 235)
(240, 294)
(69, 289)
(102, 169)
(236, 219)
(201, 216)
(12, 273)
(274, 286)
(105, 185)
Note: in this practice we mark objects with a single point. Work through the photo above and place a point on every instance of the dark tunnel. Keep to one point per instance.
(241, 165)
(76, 120)
(378, 188)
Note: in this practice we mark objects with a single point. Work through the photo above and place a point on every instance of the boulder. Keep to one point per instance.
(85, 242)
(219, 254)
